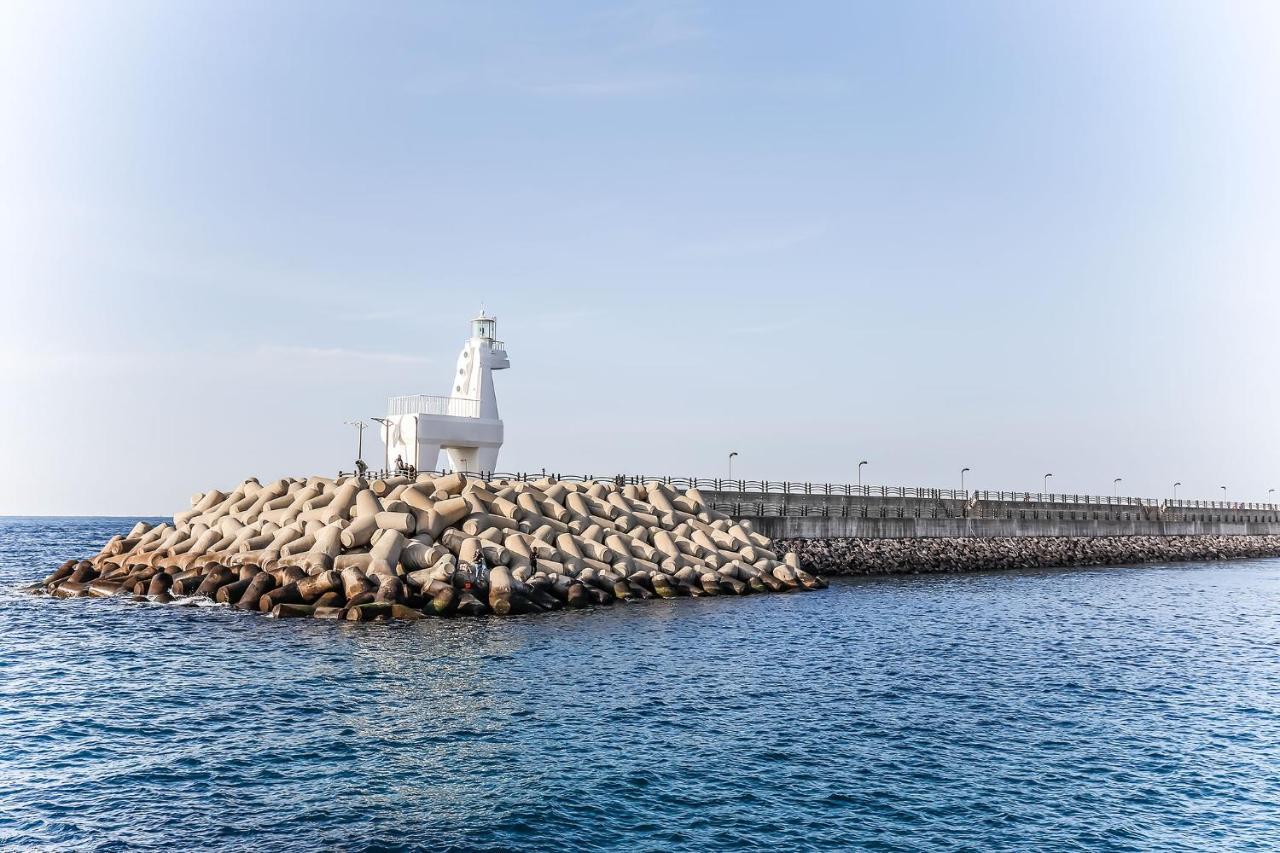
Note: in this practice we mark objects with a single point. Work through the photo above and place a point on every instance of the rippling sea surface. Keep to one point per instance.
(1108, 709)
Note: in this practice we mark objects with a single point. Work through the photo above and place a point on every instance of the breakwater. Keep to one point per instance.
(870, 556)
(401, 548)
(379, 547)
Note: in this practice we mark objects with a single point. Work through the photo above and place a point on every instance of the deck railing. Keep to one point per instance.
(424, 404)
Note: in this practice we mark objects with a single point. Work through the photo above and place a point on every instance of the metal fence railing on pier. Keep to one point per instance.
(780, 488)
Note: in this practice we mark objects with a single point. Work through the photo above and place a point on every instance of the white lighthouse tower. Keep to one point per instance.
(464, 424)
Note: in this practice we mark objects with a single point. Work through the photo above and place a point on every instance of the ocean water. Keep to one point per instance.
(1109, 709)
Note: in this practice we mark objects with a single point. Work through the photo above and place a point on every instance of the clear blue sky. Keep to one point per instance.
(1017, 236)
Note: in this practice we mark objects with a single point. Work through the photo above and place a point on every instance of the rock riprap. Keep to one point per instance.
(401, 548)
(975, 554)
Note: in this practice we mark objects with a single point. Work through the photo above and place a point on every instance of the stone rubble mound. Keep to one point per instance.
(849, 556)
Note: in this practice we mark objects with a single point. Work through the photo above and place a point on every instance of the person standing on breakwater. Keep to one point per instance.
(405, 469)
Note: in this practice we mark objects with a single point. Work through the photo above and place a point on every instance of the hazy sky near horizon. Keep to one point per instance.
(1020, 237)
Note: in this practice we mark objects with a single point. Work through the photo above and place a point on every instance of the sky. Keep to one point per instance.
(1018, 237)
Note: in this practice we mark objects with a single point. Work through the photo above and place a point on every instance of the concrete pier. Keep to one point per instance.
(822, 515)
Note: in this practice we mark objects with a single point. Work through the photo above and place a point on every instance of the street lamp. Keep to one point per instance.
(1175, 489)
(360, 428)
(1115, 485)
(731, 455)
(1046, 483)
(963, 471)
(386, 443)
(1224, 493)
(860, 464)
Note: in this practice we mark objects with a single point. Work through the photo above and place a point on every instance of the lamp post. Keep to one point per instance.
(1270, 492)
(1224, 493)
(860, 464)
(1115, 485)
(963, 471)
(1175, 489)
(386, 443)
(1046, 483)
(360, 428)
(731, 455)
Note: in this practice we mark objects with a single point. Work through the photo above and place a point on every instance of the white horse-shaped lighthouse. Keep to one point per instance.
(465, 424)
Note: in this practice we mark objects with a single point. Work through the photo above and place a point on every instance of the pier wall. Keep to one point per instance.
(823, 516)
(834, 527)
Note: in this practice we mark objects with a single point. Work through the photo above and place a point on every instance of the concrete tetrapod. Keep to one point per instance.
(345, 548)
